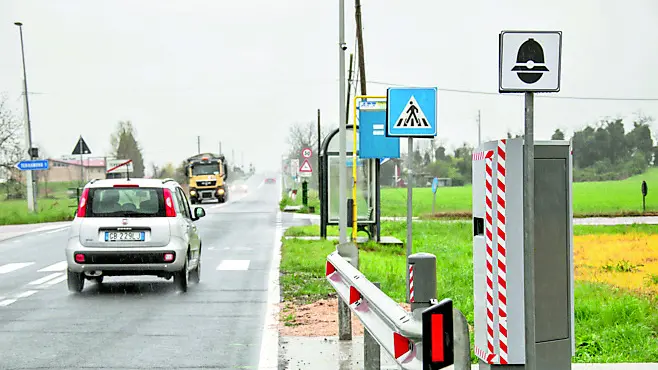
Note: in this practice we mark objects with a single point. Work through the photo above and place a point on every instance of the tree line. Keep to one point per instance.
(602, 151)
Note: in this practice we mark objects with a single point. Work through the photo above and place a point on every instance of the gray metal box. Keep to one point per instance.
(498, 254)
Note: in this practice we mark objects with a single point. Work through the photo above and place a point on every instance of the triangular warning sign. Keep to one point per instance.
(306, 167)
(412, 115)
(81, 147)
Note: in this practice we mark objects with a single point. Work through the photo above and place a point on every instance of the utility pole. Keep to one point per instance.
(479, 130)
(342, 126)
(198, 143)
(30, 178)
(349, 90)
(317, 154)
(344, 314)
(362, 58)
(220, 148)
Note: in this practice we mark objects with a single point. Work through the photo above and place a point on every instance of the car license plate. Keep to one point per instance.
(124, 236)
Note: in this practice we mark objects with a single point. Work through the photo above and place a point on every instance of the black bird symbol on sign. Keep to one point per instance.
(530, 62)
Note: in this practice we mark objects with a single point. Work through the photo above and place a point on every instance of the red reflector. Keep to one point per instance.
(126, 185)
(168, 257)
(330, 269)
(437, 338)
(400, 345)
(354, 295)
(79, 258)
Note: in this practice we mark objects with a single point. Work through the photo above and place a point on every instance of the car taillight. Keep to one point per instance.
(126, 185)
(168, 257)
(79, 258)
(170, 211)
(82, 207)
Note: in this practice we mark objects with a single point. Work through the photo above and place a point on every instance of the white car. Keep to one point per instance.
(134, 227)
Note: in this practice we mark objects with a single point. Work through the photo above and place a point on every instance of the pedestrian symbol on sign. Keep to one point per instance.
(412, 115)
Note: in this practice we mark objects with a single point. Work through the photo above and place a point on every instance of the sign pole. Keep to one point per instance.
(433, 203)
(529, 232)
(82, 169)
(409, 207)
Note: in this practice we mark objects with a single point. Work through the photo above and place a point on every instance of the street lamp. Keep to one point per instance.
(30, 179)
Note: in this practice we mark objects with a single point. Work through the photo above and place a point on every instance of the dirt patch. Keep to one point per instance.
(318, 319)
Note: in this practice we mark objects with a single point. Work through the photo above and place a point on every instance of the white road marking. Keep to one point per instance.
(211, 248)
(56, 231)
(261, 184)
(7, 302)
(14, 266)
(227, 248)
(59, 266)
(55, 281)
(269, 347)
(233, 265)
(26, 294)
(45, 279)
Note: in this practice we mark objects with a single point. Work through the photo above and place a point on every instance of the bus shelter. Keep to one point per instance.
(368, 194)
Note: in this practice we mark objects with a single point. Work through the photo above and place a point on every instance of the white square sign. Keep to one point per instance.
(530, 61)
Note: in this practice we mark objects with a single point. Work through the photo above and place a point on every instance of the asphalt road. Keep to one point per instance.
(143, 322)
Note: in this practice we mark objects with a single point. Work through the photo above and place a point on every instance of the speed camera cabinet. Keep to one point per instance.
(498, 255)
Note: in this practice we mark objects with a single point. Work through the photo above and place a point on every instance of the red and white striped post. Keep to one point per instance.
(422, 280)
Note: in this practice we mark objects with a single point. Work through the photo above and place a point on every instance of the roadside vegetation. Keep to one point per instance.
(616, 290)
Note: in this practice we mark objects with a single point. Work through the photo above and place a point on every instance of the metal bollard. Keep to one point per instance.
(422, 280)
(371, 350)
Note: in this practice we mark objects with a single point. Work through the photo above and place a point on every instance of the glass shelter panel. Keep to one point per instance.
(365, 186)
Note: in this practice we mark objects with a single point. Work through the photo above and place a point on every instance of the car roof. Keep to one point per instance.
(146, 183)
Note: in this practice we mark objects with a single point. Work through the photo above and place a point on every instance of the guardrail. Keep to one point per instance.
(427, 338)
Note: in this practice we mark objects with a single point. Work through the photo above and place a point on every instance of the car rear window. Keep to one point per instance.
(126, 202)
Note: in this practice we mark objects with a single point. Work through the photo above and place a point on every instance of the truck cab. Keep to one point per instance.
(207, 174)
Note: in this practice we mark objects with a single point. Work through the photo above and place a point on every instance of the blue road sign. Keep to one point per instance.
(373, 142)
(435, 184)
(40, 164)
(411, 112)
(359, 162)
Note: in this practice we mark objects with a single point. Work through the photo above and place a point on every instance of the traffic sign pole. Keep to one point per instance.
(411, 112)
(529, 62)
(529, 232)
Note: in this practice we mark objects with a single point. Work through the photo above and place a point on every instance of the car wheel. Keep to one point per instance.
(75, 281)
(182, 277)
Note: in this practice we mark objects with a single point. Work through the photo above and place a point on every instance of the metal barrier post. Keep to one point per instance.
(371, 350)
(422, 280)
(350, 252)
(462, 347)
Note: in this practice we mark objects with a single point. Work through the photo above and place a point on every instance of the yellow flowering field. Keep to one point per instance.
(627, 261)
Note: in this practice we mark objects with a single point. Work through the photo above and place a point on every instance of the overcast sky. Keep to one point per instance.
(241, 72)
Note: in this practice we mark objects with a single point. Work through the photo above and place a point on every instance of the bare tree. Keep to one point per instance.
(10, 134)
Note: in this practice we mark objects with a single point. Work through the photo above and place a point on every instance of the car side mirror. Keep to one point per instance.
(199, 212)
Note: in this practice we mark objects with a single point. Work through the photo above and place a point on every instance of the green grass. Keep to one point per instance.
(313, 200)
(14, 212)
(612, 325)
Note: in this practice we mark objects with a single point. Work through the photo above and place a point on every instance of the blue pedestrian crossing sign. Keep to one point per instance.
(411, 112)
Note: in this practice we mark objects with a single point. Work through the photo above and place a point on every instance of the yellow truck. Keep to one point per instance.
(207, 174)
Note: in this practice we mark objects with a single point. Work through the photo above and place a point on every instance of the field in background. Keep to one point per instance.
(590, 199)
(56, 202)
(616, 319)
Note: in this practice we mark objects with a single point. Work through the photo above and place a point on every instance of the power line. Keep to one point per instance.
(476, 92)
